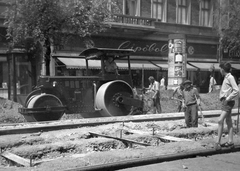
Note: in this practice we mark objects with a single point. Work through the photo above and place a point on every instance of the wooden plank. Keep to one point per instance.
(166, 137)
(170, 138)
(138, 132)
(120, 139)
(15, 158)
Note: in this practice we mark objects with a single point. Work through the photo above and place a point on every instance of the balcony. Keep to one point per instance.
(134, 20)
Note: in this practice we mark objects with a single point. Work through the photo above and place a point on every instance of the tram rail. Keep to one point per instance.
(156, 159)
(23, 128)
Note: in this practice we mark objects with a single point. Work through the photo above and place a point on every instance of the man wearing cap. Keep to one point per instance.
(191, 100)
(154, 92)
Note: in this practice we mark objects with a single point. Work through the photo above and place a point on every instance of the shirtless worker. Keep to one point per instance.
(179, 91)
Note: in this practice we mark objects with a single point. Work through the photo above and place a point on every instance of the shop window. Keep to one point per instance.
(159, 10)
(195, 16)
(131, 7)
(206, 9)
(171, 8)
(183, 11)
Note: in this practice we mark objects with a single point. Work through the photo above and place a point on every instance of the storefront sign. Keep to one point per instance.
(231, 54)
(140, 47)
(152, 47)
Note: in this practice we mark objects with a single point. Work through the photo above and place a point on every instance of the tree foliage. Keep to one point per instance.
(34, 20)
(227, 23)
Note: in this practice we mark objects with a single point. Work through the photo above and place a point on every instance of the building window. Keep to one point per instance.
(206, 13)
(159, 10)
(131, 7)
(183, 11)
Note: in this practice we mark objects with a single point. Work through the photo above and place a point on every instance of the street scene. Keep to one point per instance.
(119, 85)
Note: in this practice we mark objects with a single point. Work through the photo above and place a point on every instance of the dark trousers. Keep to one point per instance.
(157, 105)
(179, 106)
(191, 115)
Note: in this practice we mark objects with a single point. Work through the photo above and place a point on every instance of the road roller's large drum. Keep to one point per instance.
(43, 101)
(108, 95)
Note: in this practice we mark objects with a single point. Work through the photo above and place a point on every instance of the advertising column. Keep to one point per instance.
(177, 59)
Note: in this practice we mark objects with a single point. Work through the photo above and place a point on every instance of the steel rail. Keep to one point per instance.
(152, 160)
(103, 120)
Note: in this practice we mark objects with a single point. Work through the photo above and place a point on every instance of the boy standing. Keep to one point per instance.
(228, 92)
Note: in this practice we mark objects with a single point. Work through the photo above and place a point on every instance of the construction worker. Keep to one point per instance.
(154, 92)
(111, 66)
(190, 103)
(179, 91)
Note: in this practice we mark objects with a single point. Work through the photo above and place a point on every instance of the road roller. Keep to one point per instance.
(103, 95)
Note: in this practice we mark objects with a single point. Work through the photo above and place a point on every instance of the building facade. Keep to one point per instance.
(145, 26)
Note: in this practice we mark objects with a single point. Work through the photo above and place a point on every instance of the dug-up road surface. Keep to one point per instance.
(76, 148)
(220, 162)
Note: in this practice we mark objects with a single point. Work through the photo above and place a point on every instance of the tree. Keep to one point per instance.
(227, 23)
(42, 25)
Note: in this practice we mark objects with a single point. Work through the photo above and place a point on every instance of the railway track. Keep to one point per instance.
(33, 127)
(157, 159)
(118, 137)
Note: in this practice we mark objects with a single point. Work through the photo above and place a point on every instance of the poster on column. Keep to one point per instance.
(170, 70)
(171, 59)
(178, 71)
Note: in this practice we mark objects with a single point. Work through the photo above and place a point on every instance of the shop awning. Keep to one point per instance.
(204, 66)
(80, 63)
(236, 66)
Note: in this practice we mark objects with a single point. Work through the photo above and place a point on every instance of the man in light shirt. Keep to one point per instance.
(229, 91)
(162, 83)
(154, 91)
(212, 83)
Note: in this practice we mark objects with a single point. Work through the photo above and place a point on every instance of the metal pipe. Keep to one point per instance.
(14, 78)
(94, 94)
(151, 160)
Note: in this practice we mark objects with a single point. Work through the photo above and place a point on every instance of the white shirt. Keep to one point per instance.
(162, 82)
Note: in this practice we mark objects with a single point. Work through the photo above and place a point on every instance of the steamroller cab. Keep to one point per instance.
(105, 94)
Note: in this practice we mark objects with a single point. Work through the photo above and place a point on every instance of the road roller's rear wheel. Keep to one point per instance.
(40, 101)
(107, 95)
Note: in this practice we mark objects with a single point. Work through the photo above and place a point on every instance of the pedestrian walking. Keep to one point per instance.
(154, 93)
(179, 92)
(228, 92)
(191, 101)
(212, 84)
(162, 83)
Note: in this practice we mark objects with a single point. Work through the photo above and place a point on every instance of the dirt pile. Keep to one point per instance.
(9, 112)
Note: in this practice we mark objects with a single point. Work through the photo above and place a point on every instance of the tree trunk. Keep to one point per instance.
(52, 60)
(42, 56)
